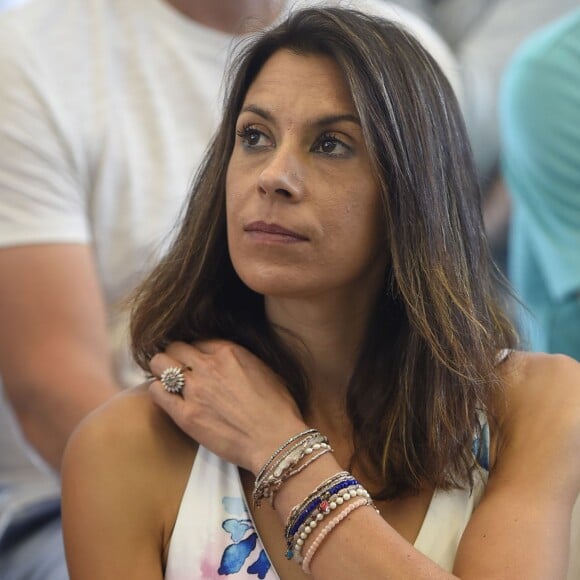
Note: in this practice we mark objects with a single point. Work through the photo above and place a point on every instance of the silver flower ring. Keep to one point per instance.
(173, 380)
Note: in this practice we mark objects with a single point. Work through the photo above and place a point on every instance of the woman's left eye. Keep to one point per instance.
(329, 144)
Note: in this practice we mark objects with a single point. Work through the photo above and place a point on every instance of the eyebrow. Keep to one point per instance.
(320, 122)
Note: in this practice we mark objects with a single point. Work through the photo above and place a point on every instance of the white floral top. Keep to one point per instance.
(215, 536)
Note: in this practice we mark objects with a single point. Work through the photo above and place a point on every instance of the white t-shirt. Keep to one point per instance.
(106, 107)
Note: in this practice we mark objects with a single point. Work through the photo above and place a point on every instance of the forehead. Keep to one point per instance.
(313, 84)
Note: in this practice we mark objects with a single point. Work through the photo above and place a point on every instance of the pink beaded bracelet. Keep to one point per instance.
(328, 528)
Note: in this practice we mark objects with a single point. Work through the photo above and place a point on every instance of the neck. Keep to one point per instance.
(230, 16)
(326, 334)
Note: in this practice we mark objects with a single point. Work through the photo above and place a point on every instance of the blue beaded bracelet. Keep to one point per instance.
(310, 507)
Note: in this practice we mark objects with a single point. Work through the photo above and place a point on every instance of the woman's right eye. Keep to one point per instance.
(252, 138)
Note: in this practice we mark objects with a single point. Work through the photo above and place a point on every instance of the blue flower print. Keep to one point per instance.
(244, 541)
(235, 555)
(260, 566)
(237, 528)
(480, 447)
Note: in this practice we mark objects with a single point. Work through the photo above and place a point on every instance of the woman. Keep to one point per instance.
(324, 332)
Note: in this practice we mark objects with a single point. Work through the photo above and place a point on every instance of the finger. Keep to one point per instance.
(226, 351)
(161, 388)
(172, 404)
(162, 361)
(169, 373)
(188, 354)
(211, 346)
(180, 409)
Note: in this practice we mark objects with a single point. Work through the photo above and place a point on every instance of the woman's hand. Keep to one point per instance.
(232, 403)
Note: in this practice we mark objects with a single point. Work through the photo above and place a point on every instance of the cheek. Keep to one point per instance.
(358, 228)
(230, 186)
(351, 216)
(234, 197)
(232, 210)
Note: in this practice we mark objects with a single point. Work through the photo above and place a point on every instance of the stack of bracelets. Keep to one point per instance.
(324, 503)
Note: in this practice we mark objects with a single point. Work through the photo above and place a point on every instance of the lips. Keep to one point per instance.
(273, 231)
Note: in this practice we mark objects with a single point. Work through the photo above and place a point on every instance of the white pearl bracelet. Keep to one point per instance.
(319, 514)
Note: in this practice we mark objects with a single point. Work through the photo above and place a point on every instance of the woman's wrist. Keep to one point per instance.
(265, 452)
(295, 489)
(311, 493)
(313, 503)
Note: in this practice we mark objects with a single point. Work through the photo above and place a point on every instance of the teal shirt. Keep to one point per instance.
(540, 129)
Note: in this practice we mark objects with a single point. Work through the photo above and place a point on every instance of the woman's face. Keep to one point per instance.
(302, 204)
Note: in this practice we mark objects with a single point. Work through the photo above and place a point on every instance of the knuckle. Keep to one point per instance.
(156, 361)
(224, 348)
(228, 351)
(191, 414)
(212, 365)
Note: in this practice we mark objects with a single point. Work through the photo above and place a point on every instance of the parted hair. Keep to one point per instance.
(426, 370)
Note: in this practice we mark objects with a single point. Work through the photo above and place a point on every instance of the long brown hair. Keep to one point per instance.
(426, 367)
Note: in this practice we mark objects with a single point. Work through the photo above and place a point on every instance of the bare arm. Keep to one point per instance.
(123, 477)
(54, 353)
(524, 519)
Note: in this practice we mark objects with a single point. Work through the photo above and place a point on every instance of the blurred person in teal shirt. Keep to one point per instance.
(540, 130)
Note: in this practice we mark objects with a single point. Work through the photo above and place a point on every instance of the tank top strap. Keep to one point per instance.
(481, 442)
(502, 355)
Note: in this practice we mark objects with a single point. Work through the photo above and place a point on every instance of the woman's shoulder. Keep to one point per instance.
(539, 413)
(129, 455)
(534, 378)
(131, 422)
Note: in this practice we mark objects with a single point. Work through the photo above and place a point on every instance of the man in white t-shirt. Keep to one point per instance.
(106, 107)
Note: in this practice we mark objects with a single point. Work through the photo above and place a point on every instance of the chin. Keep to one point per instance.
(271, 287)
(275, 282)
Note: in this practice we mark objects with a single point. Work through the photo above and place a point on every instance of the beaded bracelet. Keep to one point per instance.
(294, 548)
(291, 457)
(329, 481)
(281, 448)
(329, 504)
(328, 528)
(274, 482)
(281, 466)
(295, 542)
(261, 485)
(291, 471)
(311, 460)
(302, 511)
(295, 511)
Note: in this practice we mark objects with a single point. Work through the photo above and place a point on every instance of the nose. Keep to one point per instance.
(282, 176)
